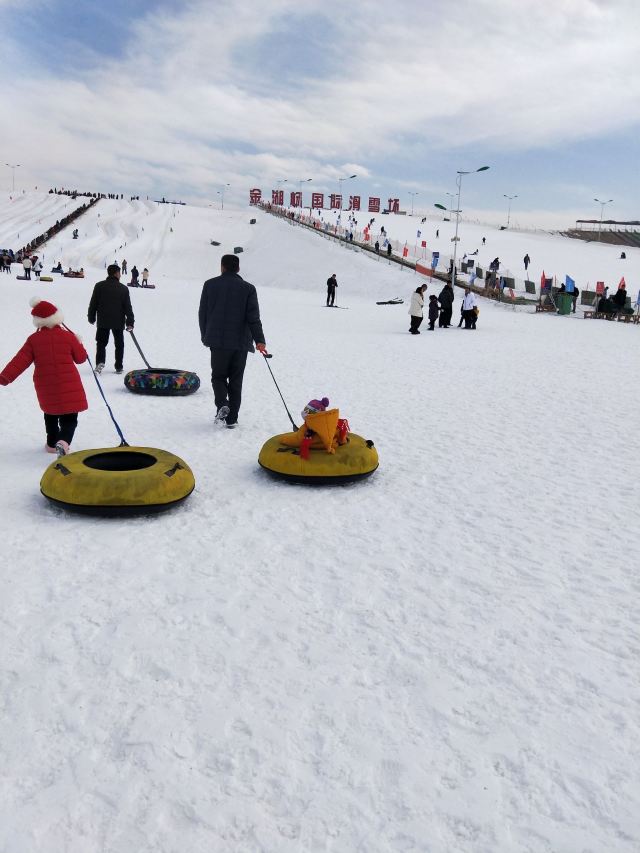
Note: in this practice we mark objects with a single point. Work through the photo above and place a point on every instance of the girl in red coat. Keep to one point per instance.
(55, 351)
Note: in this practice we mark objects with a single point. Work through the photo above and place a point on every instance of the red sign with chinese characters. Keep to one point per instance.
(277, 197)
(296, 199)
(336, 201)
(374, 205)
(354, 202)
(255, 196)
(317, 200)
(394, 205)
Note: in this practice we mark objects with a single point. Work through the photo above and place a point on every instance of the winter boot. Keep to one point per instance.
(62, 448)
(221, 415)
(50, 449)
(99, 369)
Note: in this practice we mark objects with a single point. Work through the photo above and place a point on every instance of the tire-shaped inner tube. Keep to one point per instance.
(118, 481)
(162, 381)
(355, 460)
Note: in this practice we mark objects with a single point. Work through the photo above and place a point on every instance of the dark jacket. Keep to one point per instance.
(620, 298)
(332, 283)
(111, 304)
(446, 297)
(433, 309)
(229, 314)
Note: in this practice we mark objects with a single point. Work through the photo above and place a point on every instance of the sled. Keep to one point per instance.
(396, 301)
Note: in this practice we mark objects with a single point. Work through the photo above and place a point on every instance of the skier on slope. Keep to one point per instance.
(332, 283)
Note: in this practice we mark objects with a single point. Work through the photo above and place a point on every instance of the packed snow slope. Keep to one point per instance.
(442, 658)
(551, 253)
(24, 216)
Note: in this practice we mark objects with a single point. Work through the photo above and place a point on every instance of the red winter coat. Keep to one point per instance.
(58, 384)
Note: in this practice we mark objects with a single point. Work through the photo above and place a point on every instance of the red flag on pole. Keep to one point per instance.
(542, 280)
(622, 283)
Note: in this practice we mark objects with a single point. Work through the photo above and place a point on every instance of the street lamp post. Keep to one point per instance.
(511, 198)
(279, 182)
(300, 183)
(13, 167)
(221, 194)
(457, 212)
(451, 196)
(340, 181)
(602, 204)
(412, 194)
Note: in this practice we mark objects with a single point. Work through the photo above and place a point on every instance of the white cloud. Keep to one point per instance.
(186, 106)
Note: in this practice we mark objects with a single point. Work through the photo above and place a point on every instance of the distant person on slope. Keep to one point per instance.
(332, 283)
(26, 266)
(124, 267)
(445, 299)
(416, 309)
(229, 318)
(389, 249)
(527, 261)
(111, 305)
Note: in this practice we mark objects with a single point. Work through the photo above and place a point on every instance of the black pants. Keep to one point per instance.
(60, 427)
(27, 273)
(415, 324)
(227, 372)
(445, 316)
(432, 323)
(331, 295)
(102, 339)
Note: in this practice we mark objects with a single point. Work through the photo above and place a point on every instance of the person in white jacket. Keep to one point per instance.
(416, 309)
(26, 266)
(37, 267)
(468, 309)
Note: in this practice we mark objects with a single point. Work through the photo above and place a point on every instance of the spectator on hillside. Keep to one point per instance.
(332, 283)
(389, 249)
(445, 298)
(620, 299)
(575, 295)
(527, 261)
(377, 247)
(416, 309)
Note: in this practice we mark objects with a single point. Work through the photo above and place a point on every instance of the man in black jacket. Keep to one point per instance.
(446, 303)
(229, 318)
(332, 283)
(111, 305)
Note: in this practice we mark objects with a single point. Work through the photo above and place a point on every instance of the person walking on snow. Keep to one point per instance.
(416, 309)
(124, 267)
(145, 277)
(332, 283)
(527, 261)
(468, 309)
(110, 305)
(433, 311)
(445, 299)
(54, 351)
(229, 319)
(37, 265)
(26, 266)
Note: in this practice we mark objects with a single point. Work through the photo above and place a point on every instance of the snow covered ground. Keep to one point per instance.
(550, 253)
(443, 658)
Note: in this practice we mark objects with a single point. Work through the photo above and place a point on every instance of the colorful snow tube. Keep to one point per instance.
(162, 381)
(352, 461)
(118, 481)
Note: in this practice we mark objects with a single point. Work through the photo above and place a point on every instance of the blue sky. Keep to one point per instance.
(179, 98)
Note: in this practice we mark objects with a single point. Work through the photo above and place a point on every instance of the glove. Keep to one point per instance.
(129, 328)
(262, 348)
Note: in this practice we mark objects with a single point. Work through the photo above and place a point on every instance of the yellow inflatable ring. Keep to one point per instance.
(118, 480)
(354, 460)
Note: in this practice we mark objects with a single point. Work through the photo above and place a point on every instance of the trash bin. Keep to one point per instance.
(564, 301)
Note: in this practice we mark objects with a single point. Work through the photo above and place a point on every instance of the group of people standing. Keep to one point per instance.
(441, 308)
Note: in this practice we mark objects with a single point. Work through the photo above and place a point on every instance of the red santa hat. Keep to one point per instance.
(45, 314)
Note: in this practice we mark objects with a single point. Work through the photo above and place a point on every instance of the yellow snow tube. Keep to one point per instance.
(354, 460)
(118, 480)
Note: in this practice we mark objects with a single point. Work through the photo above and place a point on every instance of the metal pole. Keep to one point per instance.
(455, 242)
(602, 204)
